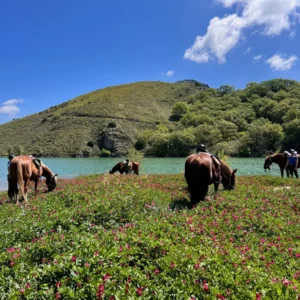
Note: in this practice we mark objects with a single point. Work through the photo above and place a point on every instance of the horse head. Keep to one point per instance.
(51, 182)
(51, 178)
(268, 163)
(228, 177)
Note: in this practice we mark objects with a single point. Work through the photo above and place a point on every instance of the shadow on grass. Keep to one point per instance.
(181, 203)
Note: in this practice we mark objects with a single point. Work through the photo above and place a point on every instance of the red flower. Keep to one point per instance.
(139, 291)
(73, 259)
(206, 287)
(106, 277)
(172, 265)
(100, 291)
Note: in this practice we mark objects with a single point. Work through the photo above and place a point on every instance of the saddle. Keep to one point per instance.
(37, 162)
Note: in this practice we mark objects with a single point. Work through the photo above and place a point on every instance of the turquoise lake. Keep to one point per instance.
(72, 167)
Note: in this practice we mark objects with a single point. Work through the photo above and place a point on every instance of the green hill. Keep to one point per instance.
(67, 129)
(163, 119)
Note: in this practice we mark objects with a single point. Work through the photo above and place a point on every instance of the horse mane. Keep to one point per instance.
(225, 169)
(46, 171)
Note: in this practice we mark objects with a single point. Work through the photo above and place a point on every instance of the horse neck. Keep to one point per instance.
(277, 158)
(225, 171)
(117, 167)
(46, 171)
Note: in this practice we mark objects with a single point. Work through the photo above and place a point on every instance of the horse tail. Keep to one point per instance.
(20, 177)
(198, 176)
(135, 167)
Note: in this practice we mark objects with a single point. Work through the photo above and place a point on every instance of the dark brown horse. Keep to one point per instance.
(201, 170)
(121, 167)
(280, 159)
(23, 169)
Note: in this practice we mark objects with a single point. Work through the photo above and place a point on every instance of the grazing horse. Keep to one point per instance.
(201, 170)
(121, 167)
(23, 169)
(280, 159)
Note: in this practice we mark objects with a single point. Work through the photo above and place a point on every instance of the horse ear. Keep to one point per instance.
(234, 171)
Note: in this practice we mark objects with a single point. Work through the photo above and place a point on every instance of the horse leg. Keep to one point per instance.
(282, 172)
(216, 186)
(198, 193)
(25, 190)
(287, 173)
(35, 186)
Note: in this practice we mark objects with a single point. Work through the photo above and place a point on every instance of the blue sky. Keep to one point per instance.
(53, 51)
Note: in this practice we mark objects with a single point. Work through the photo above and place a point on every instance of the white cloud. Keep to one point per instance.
(170, 73)
(293, 34)
(223, 34)
(273, 15)
(258, 57)
(10, 107)
(248, 50)
(13, 102)
(278, 63)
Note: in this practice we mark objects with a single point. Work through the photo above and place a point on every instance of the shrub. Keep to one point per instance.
(179, 109)
(112, 124)
(134, 155)
(105, 152)
(143, 139)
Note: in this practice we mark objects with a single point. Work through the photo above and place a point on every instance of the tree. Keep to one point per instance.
(18, 150)
(263, 136)
(227, 129)
(179, 109)
(208, 134)
(160, 144)
(143, 139)
(225, 89)
(292, 135)
(180, 143)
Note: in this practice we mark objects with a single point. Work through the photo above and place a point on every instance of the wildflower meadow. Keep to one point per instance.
(131, 237)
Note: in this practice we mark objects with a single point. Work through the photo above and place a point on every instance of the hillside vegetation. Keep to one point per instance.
(163, 119)
(75, 127)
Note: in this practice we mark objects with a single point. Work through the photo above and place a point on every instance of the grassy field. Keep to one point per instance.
(65, 129)
(129, 237)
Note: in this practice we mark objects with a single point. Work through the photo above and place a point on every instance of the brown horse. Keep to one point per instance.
(201, 170)
(280, 159)
(23, 169)
(121, 167)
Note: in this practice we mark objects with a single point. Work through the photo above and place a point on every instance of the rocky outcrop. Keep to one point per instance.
(114, 140)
